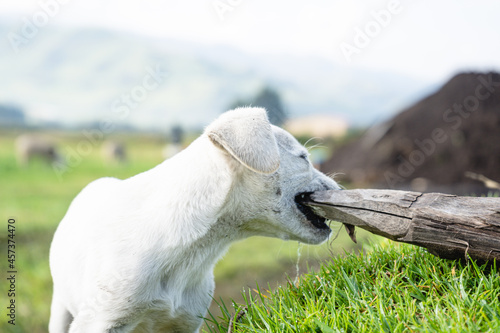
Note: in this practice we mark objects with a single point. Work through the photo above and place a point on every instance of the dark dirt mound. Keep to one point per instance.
(432, 144)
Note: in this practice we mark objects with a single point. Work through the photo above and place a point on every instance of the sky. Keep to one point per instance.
(426, 39)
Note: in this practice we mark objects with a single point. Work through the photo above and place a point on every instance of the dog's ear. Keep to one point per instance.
(246, 134)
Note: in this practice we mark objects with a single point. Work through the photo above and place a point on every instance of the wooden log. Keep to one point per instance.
(449, 226)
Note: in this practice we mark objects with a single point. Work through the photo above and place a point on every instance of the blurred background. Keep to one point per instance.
(387, 94)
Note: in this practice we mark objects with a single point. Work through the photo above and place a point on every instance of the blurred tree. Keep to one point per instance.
(176, 134)
(269, 99)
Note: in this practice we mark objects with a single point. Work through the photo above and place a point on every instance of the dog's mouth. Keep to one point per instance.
(317, 221)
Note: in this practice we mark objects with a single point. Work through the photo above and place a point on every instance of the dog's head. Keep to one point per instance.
(272, 174)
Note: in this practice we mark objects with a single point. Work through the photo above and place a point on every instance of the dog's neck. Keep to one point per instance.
(192, 222)
(201, 252)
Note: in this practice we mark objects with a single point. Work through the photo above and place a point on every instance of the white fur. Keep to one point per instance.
(137, 255)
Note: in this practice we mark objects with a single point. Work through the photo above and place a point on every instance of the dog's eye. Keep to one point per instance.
(303, 156)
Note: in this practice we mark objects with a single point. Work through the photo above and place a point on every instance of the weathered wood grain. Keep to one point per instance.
(449, 226)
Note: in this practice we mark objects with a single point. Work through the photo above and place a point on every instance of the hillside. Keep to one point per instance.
(75, 75)
(433, 143)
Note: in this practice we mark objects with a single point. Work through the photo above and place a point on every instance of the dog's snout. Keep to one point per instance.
(327, 187)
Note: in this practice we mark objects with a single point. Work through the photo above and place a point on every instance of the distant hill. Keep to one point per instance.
(433, 143)
(11, 116)
(75, 75)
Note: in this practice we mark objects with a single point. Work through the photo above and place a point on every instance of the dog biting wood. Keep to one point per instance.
(449, 226)
(138, 254)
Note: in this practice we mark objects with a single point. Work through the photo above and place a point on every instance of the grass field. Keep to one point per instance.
(37, 197)
(394, 288)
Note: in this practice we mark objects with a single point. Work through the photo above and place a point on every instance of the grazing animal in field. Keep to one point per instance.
(113, 151)
(137, 255)
(30, 146)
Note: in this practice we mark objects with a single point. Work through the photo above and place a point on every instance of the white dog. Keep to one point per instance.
(137, 255)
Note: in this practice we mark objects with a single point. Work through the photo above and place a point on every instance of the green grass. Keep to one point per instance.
(393, 288)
